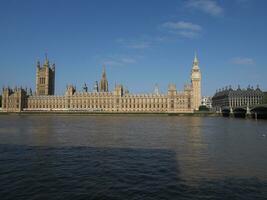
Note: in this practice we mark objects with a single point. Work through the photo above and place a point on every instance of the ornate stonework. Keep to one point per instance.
(101, 100)
(45, 78)
(236, 98)
(196, 84)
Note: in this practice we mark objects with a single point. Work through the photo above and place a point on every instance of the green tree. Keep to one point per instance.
(203, 108)
(265, 98)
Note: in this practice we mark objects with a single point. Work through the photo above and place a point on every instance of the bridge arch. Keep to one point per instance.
(240, 112)
(226, 111)
(259, 112)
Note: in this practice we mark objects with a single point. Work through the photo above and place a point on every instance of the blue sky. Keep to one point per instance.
(141, 42)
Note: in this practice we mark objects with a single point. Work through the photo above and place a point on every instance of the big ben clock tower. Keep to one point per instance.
(196, 84)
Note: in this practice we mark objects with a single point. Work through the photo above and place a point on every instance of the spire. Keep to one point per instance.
(104, 71)
(195, 62)
(104, 82)
(195, 59)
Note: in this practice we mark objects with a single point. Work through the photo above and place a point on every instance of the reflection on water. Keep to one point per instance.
(132, 157)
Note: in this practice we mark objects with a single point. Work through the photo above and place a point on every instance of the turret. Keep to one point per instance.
(95, 89)
(38, 65)
(46, 64)
(85, 88)
(70, 90)
(172, 90)
(118, 90)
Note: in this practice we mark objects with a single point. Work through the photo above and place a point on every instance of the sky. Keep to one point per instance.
(141, 42)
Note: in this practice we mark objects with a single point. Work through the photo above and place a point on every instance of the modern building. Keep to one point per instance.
(101, 99)
(228, 97)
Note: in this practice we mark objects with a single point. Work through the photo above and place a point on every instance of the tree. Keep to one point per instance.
(265, 98)
(203, 108)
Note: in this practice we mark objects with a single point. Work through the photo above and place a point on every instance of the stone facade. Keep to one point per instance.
(228, 97)
(45, 78)
(101, 99)
(14, 100)
(196, 84)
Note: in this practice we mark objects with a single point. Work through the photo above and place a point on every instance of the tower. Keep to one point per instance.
(196, 84)
(45, 78)
(104, 81)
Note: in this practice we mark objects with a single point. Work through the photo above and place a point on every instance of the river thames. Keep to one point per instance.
(132, 157)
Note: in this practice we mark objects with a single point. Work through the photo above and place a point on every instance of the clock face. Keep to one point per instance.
(196, 76)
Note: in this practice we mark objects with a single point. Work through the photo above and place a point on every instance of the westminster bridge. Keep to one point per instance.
(256, 111)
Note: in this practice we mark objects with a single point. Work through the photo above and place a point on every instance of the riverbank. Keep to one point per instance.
(201, 114)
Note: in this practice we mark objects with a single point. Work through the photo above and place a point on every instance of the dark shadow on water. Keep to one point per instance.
(108, 173)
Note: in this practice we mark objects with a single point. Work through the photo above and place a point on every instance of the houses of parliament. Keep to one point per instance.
(101, 99)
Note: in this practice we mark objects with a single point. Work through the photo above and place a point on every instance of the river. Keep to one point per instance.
(132, 157)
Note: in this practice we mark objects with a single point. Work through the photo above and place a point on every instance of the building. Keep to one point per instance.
(45, 78)
(228, 97)
(101, 99)
(196, 84)
(206, 101)
(14, 100)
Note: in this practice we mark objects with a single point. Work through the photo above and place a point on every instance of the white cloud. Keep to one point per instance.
(184, 29)
(181, 25)
(189, 34)
(112, 63)
(134, 43)
(207, 6)
(243, 61)
(118, 61)
(174, 29)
